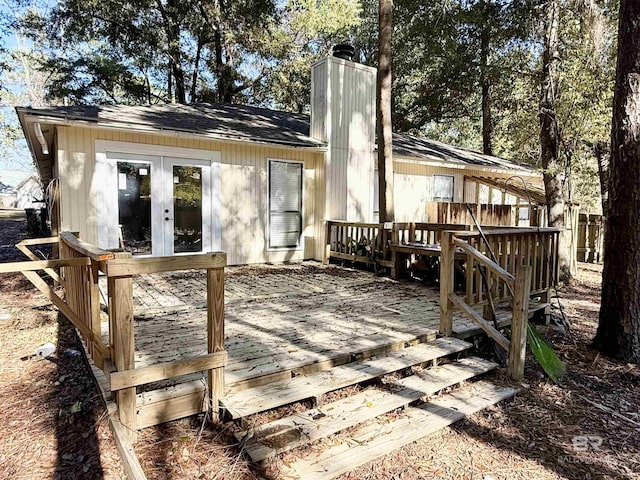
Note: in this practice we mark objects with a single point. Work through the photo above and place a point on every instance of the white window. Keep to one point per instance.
(285, 204)
(443, 188)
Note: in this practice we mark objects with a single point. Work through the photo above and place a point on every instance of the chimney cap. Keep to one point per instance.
(344, 51)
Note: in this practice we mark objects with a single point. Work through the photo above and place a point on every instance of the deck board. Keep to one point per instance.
(279, 318)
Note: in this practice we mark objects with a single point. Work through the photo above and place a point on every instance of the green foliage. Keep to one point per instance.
(439, 66)
(311, 29)
(545, 355)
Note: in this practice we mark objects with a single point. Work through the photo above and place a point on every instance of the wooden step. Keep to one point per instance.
(258, 399)
(306, 427)
(376, 439)
(465, 328)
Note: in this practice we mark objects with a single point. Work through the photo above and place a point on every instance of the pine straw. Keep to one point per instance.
(53, 424)
(533, 437)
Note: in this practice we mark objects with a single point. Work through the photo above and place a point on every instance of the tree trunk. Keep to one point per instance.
(384, 131)
(619, 324)
(487, 127)
(549, 137)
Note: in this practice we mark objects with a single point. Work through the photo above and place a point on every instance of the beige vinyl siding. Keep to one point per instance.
(343, 114)
(411, 178)
(243, 179)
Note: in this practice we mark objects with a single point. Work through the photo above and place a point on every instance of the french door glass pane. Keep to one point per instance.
(187, 209)
(134, 206)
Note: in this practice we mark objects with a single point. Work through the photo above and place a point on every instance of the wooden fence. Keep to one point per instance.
(590, 238)
(458, 213)
(514, 255)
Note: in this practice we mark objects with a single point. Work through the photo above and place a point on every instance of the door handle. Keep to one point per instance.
(167, 219)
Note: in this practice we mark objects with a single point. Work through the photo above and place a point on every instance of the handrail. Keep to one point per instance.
(86, 249)
(356, 224)
(124, 267)
(509, 231)
(519, 285)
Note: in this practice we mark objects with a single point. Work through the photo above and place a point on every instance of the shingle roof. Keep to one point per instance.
(424, 148)
(237, 122)
(246, 123)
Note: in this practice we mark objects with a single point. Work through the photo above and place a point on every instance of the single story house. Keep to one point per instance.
(256, 183)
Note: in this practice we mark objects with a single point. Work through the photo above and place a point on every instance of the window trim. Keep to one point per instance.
(453, 188)
(300, 246)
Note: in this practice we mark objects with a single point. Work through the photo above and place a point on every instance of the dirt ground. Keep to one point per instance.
(53, 425)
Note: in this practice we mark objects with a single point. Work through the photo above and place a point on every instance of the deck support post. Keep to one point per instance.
(517, 350)
(215, 336)
(446, 283)
(326, 252)
(123, 350)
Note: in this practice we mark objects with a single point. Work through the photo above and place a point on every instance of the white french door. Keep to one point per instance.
(186, 206)
(164, 204)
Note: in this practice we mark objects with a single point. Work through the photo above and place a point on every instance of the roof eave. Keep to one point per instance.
(435, 162)
(38, 159)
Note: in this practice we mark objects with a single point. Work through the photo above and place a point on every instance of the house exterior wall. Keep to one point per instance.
(243, 185)
(413, 184)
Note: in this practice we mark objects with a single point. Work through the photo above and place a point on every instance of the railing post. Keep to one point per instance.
(215, 335)
(123, 347)
(326, 254)
(522, 288)
(446, 283)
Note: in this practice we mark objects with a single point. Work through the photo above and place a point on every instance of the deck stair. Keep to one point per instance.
(273, 395)
(356, 429)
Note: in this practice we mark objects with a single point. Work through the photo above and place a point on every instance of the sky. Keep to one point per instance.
(12, 156)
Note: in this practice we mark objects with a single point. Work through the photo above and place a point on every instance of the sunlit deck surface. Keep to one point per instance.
(281, 319)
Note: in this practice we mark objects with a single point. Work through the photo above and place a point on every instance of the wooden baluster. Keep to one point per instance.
(468, 276)
(519, 322)
(215, 335)
(94, 311)
(446, 284)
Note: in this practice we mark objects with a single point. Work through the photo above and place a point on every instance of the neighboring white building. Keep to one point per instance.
(255, 183)
(20, 189)
(29, 193)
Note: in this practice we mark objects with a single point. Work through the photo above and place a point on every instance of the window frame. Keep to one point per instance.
(300, 245)
(453, 188)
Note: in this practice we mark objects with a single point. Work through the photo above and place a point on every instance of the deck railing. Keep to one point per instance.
(509, 248)
(511, 263)
(82, 292)
(367, 243)
(83, 304)
(120, 272)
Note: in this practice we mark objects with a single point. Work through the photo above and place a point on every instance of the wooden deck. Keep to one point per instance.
(281, 320)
